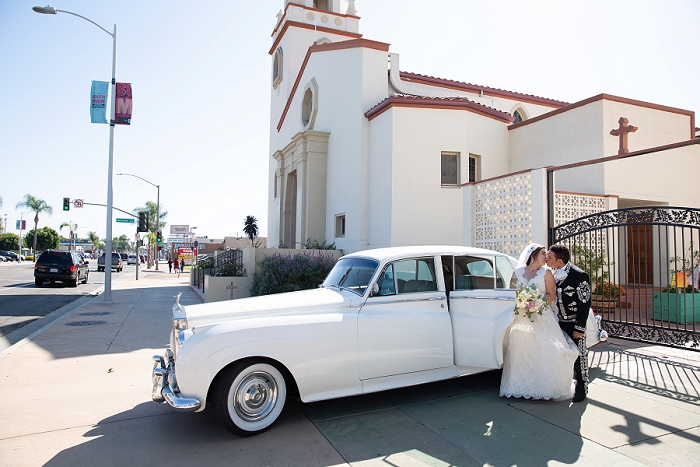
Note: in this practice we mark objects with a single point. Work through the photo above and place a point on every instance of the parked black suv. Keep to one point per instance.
(63, 266)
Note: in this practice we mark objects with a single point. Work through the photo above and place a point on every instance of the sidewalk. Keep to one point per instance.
(77, 392)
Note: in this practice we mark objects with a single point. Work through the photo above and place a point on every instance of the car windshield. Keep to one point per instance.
(352, 274)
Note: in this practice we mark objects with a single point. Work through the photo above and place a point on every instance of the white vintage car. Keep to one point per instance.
(382, 319)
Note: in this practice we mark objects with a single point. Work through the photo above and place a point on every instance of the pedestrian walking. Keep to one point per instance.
(176, 263)
(182, 265)
(170, 265)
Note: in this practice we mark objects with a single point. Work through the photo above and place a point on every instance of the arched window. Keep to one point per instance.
(518, 117)
(277, 68)
(519, 113)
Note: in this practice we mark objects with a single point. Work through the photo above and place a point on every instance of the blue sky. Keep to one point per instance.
(200, 73)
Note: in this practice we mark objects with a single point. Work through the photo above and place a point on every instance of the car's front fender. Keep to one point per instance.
(318, 348)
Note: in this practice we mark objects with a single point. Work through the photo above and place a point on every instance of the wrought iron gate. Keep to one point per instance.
(644, 264)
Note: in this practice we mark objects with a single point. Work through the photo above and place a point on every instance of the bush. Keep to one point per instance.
(286, 273)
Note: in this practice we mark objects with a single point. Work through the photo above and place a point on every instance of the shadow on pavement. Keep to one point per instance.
(152, 434)
(139, 318)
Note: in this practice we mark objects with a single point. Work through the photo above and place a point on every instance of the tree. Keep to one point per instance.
(95, 240)
(250, 228)
(38, 206)
(121, 242)
(8, 241)
(46, 238)
(71, 228)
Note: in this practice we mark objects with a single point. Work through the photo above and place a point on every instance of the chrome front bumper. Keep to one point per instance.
(165, 385)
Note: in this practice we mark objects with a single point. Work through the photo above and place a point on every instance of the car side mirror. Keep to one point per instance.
(374, 290)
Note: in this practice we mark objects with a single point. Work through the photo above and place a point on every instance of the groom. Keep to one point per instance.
(572, 304)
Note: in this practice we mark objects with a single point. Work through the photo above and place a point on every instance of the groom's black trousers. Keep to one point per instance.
(568, 328)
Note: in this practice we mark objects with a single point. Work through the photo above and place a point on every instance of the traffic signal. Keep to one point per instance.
(159, 237)
(143, 221)
(66, 204)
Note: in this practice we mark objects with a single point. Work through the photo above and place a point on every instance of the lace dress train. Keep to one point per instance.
(539, 358)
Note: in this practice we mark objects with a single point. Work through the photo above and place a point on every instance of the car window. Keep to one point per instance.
(352, 274)
(386, 282)
(415, 275)
(505, 274)
(54, 257)
(474, 273)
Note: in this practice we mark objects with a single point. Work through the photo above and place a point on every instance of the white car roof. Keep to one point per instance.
(392, 253)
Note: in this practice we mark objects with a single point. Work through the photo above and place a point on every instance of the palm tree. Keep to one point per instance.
(71, 228)
(37, 205)
(95, 240)
(251, 228)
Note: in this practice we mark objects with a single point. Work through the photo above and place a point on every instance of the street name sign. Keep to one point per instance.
(125, 221)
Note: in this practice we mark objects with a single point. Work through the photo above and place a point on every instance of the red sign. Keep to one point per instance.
(123, 109)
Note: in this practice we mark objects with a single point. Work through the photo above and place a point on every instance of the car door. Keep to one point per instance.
(481, 303)
(405, 327)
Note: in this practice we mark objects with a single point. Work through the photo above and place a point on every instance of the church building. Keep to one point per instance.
(366, 155)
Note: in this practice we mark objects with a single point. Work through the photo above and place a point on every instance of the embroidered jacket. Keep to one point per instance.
(573, 300)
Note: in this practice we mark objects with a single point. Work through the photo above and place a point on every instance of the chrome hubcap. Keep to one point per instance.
(255, 396)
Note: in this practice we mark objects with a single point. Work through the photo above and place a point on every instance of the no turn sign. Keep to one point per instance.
(78, 203)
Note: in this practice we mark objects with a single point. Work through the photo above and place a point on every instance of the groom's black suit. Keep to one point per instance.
(573, 302)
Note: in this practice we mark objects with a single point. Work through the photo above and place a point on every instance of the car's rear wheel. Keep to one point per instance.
(249, 397)
(87, 274)
(74, 282)
(38, 282)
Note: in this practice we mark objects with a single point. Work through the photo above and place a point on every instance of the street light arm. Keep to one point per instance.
(132, 175)
(49, 10)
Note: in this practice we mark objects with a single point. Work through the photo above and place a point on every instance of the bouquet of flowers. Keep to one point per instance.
(529, 300)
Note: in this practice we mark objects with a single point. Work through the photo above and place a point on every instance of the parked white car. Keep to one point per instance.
(382, 319)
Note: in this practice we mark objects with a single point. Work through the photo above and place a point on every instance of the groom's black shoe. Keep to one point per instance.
(579, 394)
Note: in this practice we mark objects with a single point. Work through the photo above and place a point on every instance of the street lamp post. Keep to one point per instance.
(49, 10)
(157, 208)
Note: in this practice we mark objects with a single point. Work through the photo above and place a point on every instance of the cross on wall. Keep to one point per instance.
(622, 131)
(231, 288)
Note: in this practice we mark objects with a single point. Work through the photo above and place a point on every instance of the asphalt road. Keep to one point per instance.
(22, 302)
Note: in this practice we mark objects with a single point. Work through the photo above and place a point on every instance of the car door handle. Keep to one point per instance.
(435, 298)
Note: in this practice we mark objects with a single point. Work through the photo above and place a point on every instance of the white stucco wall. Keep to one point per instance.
(669, 177)
(349, 82)
(423, 212)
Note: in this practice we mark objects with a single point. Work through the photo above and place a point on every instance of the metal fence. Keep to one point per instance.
(644, 264)
(218, 265)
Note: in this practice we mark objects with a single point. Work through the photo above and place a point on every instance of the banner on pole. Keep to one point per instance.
(122, 114)
(98, 102)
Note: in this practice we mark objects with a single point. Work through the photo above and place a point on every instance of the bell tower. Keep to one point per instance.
(301, 25)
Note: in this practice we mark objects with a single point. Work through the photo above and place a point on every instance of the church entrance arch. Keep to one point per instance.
(644, 265)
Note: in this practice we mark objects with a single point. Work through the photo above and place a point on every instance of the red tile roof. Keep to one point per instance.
(450, 103)
(448, 83)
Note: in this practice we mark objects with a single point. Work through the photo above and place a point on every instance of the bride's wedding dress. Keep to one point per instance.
(539, 357)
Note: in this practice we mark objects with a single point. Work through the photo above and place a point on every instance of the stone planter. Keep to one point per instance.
(677, 307)
(601, 304)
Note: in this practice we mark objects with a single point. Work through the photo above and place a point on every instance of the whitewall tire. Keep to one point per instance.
(249, 397)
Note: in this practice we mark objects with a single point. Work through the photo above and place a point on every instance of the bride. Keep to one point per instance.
(539, 358)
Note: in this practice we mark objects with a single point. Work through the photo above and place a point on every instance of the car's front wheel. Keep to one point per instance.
(249, 397)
